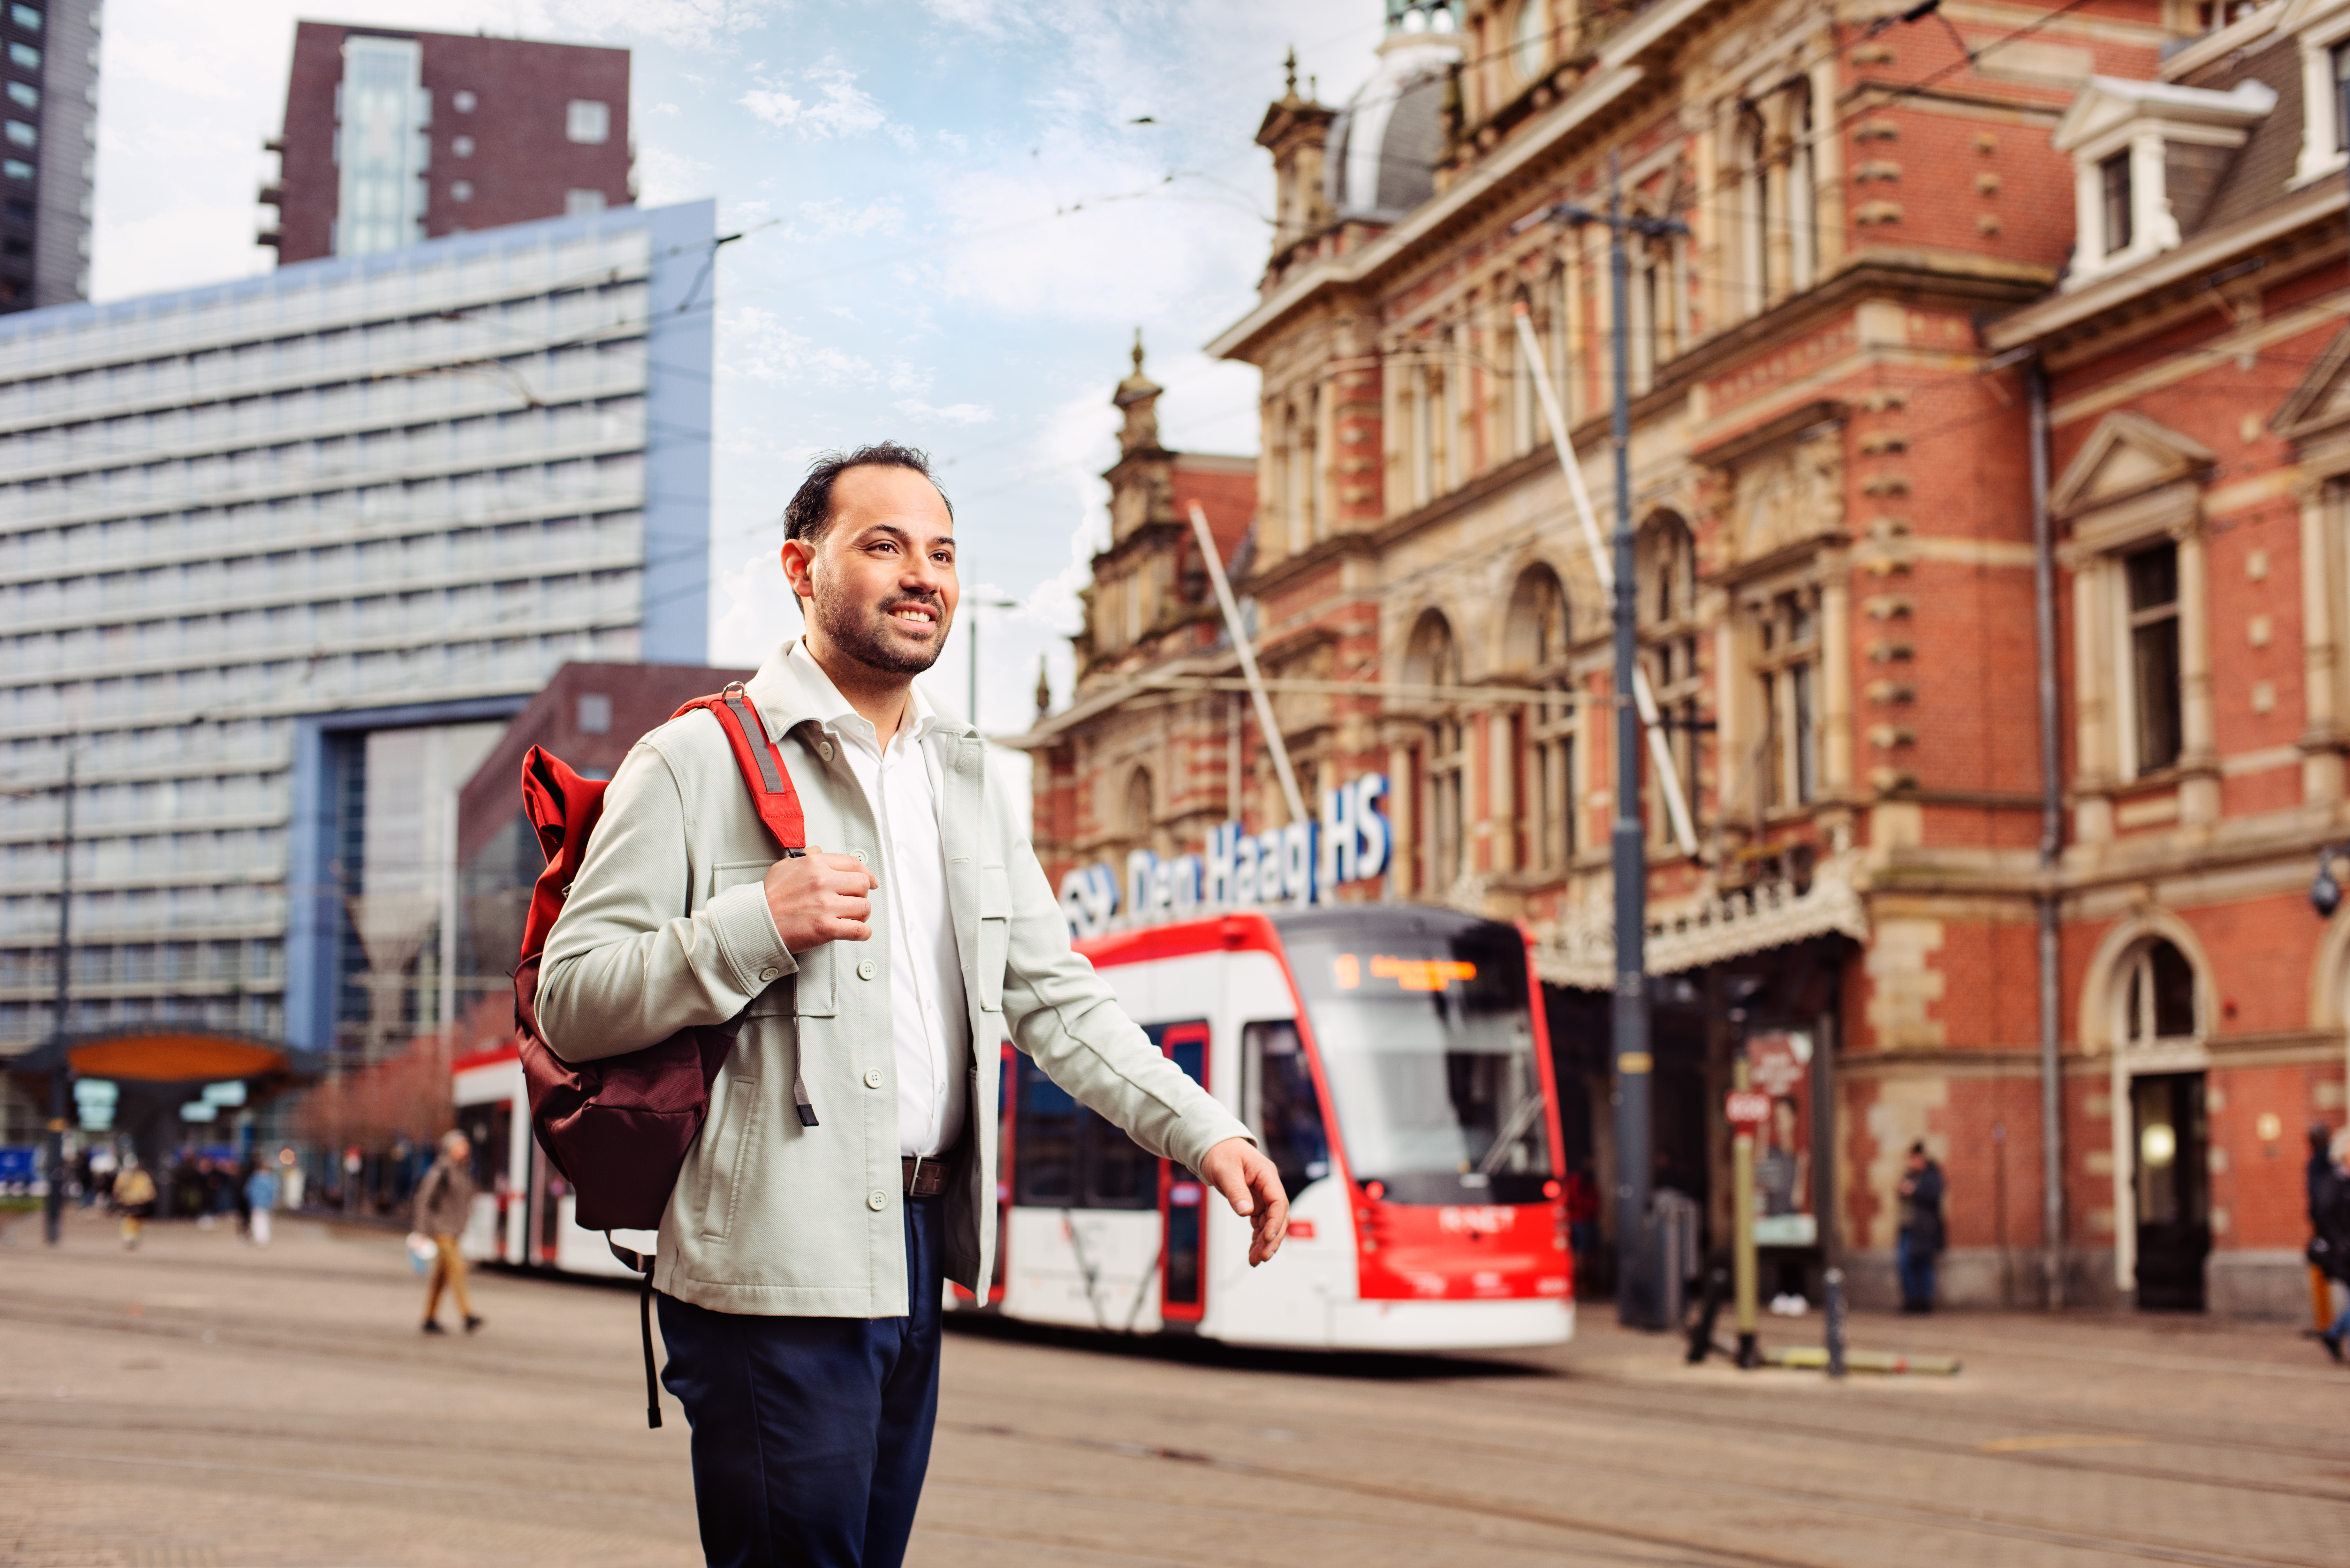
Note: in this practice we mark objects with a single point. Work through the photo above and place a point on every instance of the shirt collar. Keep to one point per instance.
(791, 688)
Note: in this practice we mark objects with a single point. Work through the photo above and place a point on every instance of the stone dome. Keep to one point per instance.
(1385, 143)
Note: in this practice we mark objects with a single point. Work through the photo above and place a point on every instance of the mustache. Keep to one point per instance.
(935, 603)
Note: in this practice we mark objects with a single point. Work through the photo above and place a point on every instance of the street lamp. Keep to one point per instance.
(2325, 892)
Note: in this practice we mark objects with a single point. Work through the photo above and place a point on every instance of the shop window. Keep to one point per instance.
(2152, 581)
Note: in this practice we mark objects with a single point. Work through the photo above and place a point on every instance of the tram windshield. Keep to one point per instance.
(1428, 1044)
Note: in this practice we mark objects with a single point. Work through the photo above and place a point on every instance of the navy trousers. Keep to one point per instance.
(1916, 1265)
(811, 1434)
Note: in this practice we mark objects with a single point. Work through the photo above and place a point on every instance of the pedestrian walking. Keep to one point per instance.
(134, 1199)
(846, 1168)
(240, 1195)
(2329, 1208)
(260, 1198)
(2319, 1169)
(444, 1202)
(1921, 1239)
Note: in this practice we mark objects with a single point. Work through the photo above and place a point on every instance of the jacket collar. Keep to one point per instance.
(789, 693)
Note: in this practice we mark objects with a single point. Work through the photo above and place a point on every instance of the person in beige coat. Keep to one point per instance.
(444, 1202)
(845, 1167)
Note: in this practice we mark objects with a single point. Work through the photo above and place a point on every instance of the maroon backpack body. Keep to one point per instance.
(618, 1128)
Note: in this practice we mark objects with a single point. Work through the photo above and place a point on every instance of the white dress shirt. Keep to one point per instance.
(929, 1023)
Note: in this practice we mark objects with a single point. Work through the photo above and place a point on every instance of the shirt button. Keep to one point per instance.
(857, 855)
(865, 969)
(824, 750)
(771, 972)
(873, 1077)
(877, 1201)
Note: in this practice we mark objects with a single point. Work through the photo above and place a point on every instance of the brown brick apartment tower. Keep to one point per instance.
(394, 137)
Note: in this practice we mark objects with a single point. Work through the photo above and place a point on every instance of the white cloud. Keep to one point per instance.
(832, 218)
(841, 107)
(759, 612)
(663, 177)
(954, 413)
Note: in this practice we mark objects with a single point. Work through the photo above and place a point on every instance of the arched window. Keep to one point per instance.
(1667, 567)
(1137, 822)
(2157, 995)
(1432, 659)
(1752, 162)
(1530, 45)
(1802, 239)
(1541, 734)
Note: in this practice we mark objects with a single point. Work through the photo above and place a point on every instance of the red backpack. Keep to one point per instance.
(618, 1129)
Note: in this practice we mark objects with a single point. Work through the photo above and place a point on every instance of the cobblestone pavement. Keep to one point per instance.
(200, 1402)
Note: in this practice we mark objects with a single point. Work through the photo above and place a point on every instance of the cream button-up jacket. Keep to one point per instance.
(668, 926)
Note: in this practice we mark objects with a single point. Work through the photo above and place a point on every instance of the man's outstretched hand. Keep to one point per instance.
(1253, 1188)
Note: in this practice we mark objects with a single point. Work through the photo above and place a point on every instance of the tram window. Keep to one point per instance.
(1281, 1106)
(1044, 1161)
(1066, 1156)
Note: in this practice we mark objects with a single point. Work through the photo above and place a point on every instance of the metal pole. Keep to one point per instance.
(1637, 1272)
(1232, 610)
(2052, 841)
(53, 1208)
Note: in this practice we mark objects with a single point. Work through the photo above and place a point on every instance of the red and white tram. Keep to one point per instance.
(1392, 1062)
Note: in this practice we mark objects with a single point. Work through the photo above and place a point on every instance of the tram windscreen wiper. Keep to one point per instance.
(1520, 1118)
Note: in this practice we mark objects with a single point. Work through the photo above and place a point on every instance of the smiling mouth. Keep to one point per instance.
(914, 614)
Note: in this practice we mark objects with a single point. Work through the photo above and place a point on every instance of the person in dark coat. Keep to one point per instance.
(2329, 1212)
(1921, 1239)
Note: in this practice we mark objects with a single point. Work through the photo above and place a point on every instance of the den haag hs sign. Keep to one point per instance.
(1304, 863)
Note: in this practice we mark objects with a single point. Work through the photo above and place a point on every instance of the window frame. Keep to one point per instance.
(2132, 621)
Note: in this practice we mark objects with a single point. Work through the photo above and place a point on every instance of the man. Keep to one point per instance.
(2318, 1177)
(260, 1198)
(1920, 1241)
(847, 1166)
(134, 1199)
(444, 1202)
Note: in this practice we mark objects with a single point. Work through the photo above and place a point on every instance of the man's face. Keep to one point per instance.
(457, 1149)
(878, 583)
(1917, 1162)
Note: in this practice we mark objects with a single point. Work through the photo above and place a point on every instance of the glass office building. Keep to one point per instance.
(279, 557)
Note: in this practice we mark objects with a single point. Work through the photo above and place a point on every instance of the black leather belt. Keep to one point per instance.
(924, 1178)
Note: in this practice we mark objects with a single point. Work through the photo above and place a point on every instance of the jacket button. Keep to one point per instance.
(873, 1077)
(771, 972)
(865, 969)
(824, 750)
(877, 1201)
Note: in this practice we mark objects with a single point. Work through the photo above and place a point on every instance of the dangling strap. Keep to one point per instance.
(644, 1267)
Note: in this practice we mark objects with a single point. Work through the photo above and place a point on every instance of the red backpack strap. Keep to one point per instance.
(769, 781)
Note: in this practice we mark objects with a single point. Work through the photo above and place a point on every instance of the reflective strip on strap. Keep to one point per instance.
(755, 736)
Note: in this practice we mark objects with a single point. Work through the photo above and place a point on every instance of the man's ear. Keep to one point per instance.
(796, 552)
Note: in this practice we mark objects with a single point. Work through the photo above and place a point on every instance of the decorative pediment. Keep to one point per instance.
(2126, 456)
(2320, 403)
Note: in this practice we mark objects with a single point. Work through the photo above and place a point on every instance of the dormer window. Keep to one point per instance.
(2324, 67)
(2147, 158)
(2113, 178)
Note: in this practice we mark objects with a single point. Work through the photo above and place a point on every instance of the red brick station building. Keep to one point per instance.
(1911, 249)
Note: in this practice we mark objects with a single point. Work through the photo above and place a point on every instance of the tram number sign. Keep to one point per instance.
(1747, 1107)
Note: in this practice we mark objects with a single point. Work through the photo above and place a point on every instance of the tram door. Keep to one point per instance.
(2172, 1191)
(1182, 1197)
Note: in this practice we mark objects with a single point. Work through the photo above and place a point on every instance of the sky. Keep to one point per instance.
(957, 213)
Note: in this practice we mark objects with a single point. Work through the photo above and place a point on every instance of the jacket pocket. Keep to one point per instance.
(730, 1152)
(995, 934)
(812, 987)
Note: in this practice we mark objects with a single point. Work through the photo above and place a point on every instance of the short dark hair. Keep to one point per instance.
(810, 510)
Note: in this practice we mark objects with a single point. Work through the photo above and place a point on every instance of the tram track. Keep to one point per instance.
(1428, 1496)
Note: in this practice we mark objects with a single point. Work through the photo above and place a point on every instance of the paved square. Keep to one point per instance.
(200, 1402)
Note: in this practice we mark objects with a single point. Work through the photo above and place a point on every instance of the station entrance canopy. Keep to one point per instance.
(171, 1056)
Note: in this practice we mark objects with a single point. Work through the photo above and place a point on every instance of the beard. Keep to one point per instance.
(866, 632)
